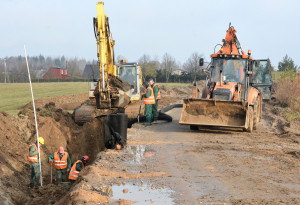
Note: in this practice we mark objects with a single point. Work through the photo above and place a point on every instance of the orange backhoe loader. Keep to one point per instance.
(230, 97)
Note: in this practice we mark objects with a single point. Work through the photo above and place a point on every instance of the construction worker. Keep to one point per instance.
(148, 101)
(157, 97)
(62, 163)
(33, 158)
(77, 167)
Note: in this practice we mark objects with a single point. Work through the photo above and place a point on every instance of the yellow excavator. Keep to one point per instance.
(118, 86)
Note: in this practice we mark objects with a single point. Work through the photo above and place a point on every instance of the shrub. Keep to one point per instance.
(287, 91)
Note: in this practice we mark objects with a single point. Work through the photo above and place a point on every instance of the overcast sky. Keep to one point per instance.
(270, 28)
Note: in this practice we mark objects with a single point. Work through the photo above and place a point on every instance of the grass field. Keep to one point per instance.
(15, 95)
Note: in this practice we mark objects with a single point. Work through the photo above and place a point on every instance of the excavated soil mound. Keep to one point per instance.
(57, 127)
(67, 102)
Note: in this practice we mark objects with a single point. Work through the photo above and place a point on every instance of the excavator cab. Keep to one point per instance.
(131, 73)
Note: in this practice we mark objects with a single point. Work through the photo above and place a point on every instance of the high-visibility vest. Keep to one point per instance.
(61, 163)
(158, 97)
(33, 158)
(149, 100)
(74, 173)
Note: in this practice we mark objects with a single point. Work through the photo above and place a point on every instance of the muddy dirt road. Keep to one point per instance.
(168, 163)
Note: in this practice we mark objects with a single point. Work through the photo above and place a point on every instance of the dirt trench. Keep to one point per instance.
(57, 127)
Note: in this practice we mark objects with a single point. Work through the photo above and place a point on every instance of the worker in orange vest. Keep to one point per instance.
(148, 101)
(62, 163)
(77, 167)
(33, 158)
(156, 91)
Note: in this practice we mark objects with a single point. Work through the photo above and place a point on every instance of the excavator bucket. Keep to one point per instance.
(203, 112)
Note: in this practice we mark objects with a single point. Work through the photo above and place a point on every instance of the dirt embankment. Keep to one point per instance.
(68, 102)
(56, 126)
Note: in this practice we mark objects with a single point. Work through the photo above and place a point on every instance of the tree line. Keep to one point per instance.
(164, 69)
(169, 70)
(14, 69)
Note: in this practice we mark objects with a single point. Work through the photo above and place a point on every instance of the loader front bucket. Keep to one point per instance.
(213, 113)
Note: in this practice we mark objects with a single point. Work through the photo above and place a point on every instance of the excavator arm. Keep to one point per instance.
(231, 45)
(105, 44)
(111, 91)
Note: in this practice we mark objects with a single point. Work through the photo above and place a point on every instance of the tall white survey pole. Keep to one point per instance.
(35, 119)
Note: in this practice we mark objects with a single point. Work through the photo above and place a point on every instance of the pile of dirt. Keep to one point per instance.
(57, 127)
(175, 95)
(67, 102)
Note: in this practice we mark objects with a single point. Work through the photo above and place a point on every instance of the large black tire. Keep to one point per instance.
(193, 127)
(250, 119)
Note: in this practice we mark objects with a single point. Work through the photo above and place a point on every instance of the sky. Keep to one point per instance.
(270, 28)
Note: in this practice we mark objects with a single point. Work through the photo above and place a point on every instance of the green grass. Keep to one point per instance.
(292, 116)
(13, 96)
(175, 85)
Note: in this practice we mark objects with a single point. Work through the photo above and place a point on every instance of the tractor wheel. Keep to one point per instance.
(256, 113)
(250, 119)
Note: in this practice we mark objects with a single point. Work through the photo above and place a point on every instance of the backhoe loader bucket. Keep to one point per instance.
(213, 113)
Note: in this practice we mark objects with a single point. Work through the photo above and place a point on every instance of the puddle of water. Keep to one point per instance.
(142, 194)
(140, 152)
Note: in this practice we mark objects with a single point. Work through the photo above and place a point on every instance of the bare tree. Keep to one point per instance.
(192, 63)
(119, 57)
(149, 66)
(168, 64)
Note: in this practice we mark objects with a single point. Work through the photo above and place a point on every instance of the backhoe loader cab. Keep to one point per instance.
(262, 78)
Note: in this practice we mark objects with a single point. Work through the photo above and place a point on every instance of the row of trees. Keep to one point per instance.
(16, 69)
(164, 70)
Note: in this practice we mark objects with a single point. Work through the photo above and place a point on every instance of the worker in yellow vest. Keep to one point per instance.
(33, 158)
(156, 91)
(77, 167)
(148, 101)
(62, 164)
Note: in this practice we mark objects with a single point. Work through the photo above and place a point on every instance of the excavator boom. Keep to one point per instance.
(111, 93)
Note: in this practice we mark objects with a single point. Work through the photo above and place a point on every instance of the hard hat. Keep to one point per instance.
(41, 140)
(61, 150)
(86, 158)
